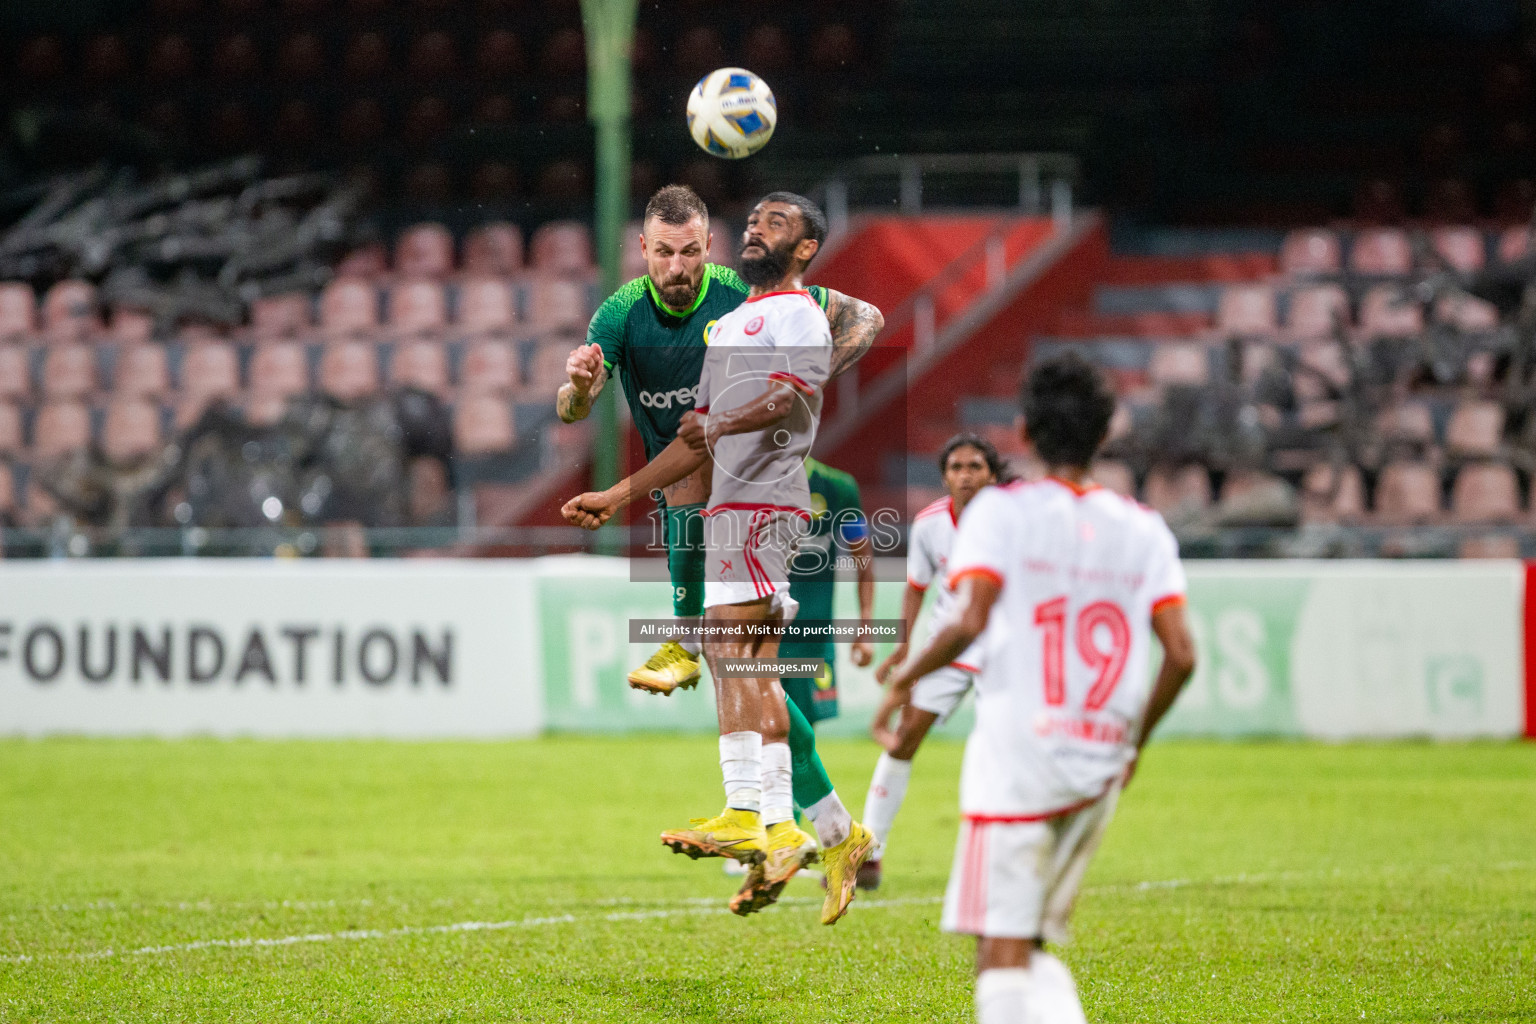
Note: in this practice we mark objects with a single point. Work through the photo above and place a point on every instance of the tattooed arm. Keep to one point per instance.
(854, 326)
(587, 377)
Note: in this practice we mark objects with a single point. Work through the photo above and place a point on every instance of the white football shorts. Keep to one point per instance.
(748, 552)
(940, 691)
(1017, 879)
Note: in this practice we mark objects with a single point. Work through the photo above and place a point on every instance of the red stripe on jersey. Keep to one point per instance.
(919, 587)
(787, 291)
(747, 506)
(974, 570)
(1024, 819)
(791, 379)
(962, 666)
(1166, 601)
(936, 507)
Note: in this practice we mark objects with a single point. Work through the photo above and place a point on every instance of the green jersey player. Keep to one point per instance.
(651, 332)
(838, 525)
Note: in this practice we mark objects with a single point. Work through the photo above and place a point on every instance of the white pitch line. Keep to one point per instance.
(360, 934)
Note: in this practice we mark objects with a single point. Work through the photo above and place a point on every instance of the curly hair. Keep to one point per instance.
(1067, 406)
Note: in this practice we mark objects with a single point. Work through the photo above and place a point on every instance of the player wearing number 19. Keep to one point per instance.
(1064, 582)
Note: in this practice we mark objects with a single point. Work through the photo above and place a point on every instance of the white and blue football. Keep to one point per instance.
(731, 113)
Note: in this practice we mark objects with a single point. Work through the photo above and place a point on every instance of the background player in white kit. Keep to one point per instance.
(1060, 579)
(968, 463)
(758, 407)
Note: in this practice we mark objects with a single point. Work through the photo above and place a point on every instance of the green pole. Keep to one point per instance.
(610, 32)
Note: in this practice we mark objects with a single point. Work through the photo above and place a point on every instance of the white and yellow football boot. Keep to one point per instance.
(732, 833)
(670, 668)
(789, 850)
(841, 864)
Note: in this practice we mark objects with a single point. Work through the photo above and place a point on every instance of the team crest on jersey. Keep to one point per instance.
(709, 331)
(754, 325)
(818, 505)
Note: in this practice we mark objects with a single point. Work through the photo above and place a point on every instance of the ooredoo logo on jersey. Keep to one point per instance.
(665, 399)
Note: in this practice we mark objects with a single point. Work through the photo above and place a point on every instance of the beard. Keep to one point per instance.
(768, 267)
(679, 292)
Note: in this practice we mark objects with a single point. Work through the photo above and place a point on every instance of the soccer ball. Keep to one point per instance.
(731, 113)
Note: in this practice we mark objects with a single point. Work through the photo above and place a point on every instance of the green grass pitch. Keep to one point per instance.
(371, 881)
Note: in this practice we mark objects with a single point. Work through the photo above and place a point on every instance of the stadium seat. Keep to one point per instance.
(265, 410)
(1257, 357)
(420, 364)
(349, 370)
(1514, 244)
(482, 425)
(1386, 312)
(833, 49)
(494, 181)
(417, 307)
(279, 370)
(130, 431)
(349, 306)
(7, 495)
(131, 326)
(61, 428)
(1377, 201)
(1178, 362)
(15, 373)
(281, 316)
(41, 59)
(367, 56)
(427, 119)
(365, 263)
(142, 371)
(235, 58)
(557, 305)
(300, 58)
(362, 122)
(10, 429)
(105, 59)
(1460, 247)
(1116, 476)
(1408, 494)
(18, 311)
(1514, 201)
(1407, 423)
(169, 58)
(494, 249)
(490, 367)
(69, 311)
(208, 372)
(1332, 494)
(1489, 545)
(1322, 369)
(1317, 311)
(1450, 201)
(1178, 492)
(69, 371)
(297, 125)
(698, 50)
(1381, 252)
(766, 49)
(564, 180)
(1310, 253)
(564, 55)
(500, 55)
(428, 185)
(1246, 309)
(562, 248)
(631, 258)
(1467, 313)
(432, 56)
(1485, 493)
(498, 108)
(485, 306)
(424, 251)
(1476, 430)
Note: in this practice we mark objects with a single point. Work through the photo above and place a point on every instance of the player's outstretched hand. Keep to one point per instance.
(891, 664)
(880, 727)
(589, 510)
(582, 366)
(862, 652)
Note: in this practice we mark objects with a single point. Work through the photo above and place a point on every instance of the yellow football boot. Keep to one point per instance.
(841, 864)
(789, 850)
(735, 834)
(670, 668)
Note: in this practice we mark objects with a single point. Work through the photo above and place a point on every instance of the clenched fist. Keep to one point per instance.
(583, 365)
(589, 510)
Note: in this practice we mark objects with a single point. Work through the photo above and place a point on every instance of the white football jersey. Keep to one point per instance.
(782, 337)
(1064, 681)
(929, 543)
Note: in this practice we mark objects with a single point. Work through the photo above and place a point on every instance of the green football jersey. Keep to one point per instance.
(837, 522)
(658, 353)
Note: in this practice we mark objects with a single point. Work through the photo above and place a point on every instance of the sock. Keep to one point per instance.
(684, 532)
(811, 781)
(831, 819)
(741, 763)
(778, 799)
(887, 789)
(1055, 994)
(692, 622)
(1003, 996)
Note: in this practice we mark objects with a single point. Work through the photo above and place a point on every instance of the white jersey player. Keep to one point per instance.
(968, 463)
(1064, 583)
(758, 408)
